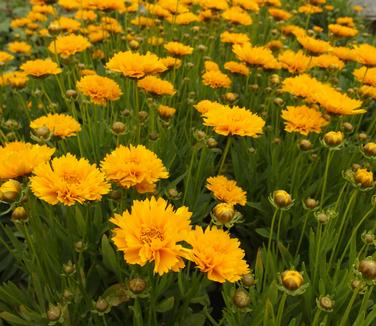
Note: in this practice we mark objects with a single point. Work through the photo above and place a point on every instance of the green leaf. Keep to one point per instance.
(109, 256)
(13, 319)
(165, 305)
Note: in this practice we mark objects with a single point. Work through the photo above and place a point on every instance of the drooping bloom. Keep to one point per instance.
(303, 119)
(68, 45)
(178, 49)
(40, 67)
(99, 89)
(135, 65)
(20, 158)
(156, 86)
(226, 190)
(134, 167)
(60, 125)
(217, 254)
(229, 121)
(152, 232)
(68, 180)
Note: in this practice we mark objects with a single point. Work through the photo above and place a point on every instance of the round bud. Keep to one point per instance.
(70, 93)
(311, 203)
(357, 284)
(137, 285)
(364, 178)
(69, 268)
(173, 193)
(118, 127)
(347, 126)
(305, 145)
(79, 246)
(356, 166)
(368, 237)
(10, 190)
(282, 198)
(362, 136)
(326, 303)
(101, 305)
(368, 268)
(115, 195)
(19, 214)
(42, 132)
(248, 280)
(277, 140)
(200, 134)
(143, 115)
(53, 313)
(67, 295)
(126, 113)
(333, 138)
(241, 298)
(292, 280)
(278, 101)
(224, 212)
(322, 218)
(370, 149)
(153, 136)
(211, 142)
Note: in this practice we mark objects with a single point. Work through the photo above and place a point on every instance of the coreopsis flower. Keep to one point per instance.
(309, 9)
(68, 180)
(165, 111)
(152, 231)
(214, 4)
(20, 158)
(237, 15)
(66, 24)
(364, 178)
(184, 18)
(5, 57)
(295, 62)
(343, 53)
(99, 89)
(154, 40)
(135, 65)
(174, 6)
(226, 190)
(366, 75)
(217, 254)
(314, 45)
(237, 68)
(171, 62)
(247, 5)
(234, 38)
(274, 45)
(346, 21)
(328, 61)
(303, 120)
(134, 166)
(256, 55)
(106, 5)
(16, 79)
(229, 121)
(295, 30)
(178, 49)
(143, 21)
(88, 15)
(211, 66)
(206, 105)
(279, 14)
(60, 125)
(216, 79)
(365, 54)
(40, 67)
(368, 91)
(342, 31)
(19, 47)
(68, 45)
(156, 86)
(158, 10)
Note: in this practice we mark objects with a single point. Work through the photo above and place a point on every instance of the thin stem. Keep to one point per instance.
(345, 316)
(224, 155)
(302, 234)
(269, 245)
(325, 178)
(281, 308)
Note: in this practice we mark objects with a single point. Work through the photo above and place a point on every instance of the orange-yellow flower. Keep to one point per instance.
(366, 75)
(60, 125)
(237, 15)
(328, 61)
(99, 89)
(314, 45)
(19, 47)
(342, 31)
(226, 190)
(216, 79)
(69, 45)
(152, 232)
(256, 55)
(178, 49)
(68, 180)
(20, 158)
(365, 54)
(303, 120)
(5, 57)
(156, 85)
(40, 67)
(295, 62)
(206, 105)
(229, 121)
(17, 79)
(237, 68)
(217, 254)
(134, 167)
(234, 38)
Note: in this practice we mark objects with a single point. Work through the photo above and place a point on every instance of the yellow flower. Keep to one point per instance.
(216, 253)
(347, 21)
(85, 15)
(152, 232)
(68, 45)
(294, 30)
(176, 48)
(256, 55)
(309, 9)
(66, 24)
(135, 65)
(234, 38)
(143, 21)
(156, 85)
(295, 62)
(184, 18)
(366, 75)
(206, 105)
(211, 66)
(19, 47)
(104, 5)
(5, 57)
(247, 5)
(237, 68)
(216, 79)
(303, 119)
(343, 53)
(171, 62)
(314, 45)
(292, 280)
(364, 178)
(226, 190)
(237, 15)
(60, 125)
(365, 54)
(40, 67)
(166, 111)
(99, 89)
(134, 167)
(68, 180)
(328, 61)
(20, 158)
(17, 79)
(234, 121)
(279, 14)
(368, 91)
(342, 31)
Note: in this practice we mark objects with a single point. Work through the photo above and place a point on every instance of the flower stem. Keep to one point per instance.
(224, 155)
(325, 179)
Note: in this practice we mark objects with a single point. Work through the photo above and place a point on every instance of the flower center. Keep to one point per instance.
(149, 234)
(71, 179)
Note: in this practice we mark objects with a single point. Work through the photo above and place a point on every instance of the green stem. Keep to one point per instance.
(281, 308)
(269, 245)
(224, 155)
(325, 179)
(302, 234)
(315, 321)
(345, 317)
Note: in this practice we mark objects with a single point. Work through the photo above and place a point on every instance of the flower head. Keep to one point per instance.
(178, 49)
(256, 55)
(69, 45)
(152, 232)
(226, 190)
(40, 67)
(216, 79)
(20, 158)
(68, 180)
(134, 167)
(156, 86)
(216, 253)
(60, 125)
(19, 47)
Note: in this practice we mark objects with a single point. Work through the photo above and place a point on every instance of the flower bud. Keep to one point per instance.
(364, 178)
(333, 138)
(325, 303)
(200, 134)
(137, 285)
(241, 298)
(224, 212)
(248, 280)
(53, 313)
(10, 190)
(118, 127)
(357, 284)
(173, 193)
(153, 136)
(282, 198)
(101, 305)
(370, 149)
(80, 246)
(368, 268)
(19, 214)
(115, 194)
(142, 115)
(67, 295)
(347, 126)
(368, 238)
(310, 203)
(277, 140)
(70, 93)
(42, 132)
(305, 145)
(275, 79)
(278, 101)
(211, 142)
(362, 136)
(292, 280)
(69, 268)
